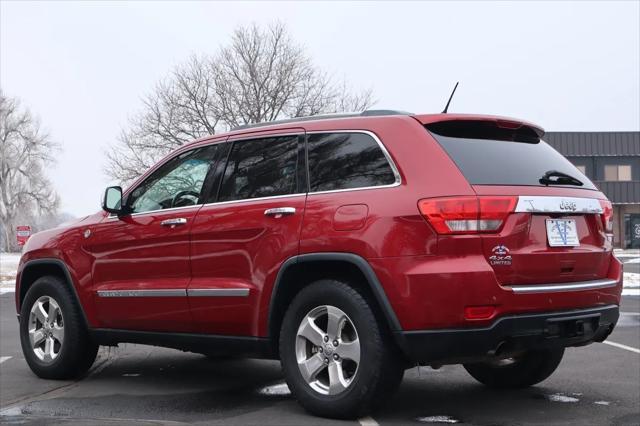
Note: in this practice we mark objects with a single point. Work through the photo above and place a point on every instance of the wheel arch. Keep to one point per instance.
(299, 271)
(37, 268)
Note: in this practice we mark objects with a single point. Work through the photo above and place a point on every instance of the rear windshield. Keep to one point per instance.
(507, 162)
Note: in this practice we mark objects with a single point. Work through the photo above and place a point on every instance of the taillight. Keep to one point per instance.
(467, 215)
(607, 215)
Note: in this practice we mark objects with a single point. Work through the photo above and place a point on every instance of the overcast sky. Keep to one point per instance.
(84, 66)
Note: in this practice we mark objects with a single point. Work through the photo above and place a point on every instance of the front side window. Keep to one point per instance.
(177, 183)
(346, 161)
(258, 168)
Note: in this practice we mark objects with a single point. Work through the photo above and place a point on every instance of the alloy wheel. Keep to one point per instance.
(46, 329)
(327, 350)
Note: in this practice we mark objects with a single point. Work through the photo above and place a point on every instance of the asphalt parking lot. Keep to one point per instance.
(598, 384)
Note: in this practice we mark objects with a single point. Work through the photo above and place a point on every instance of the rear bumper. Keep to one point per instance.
(432, 292)
(510, 334)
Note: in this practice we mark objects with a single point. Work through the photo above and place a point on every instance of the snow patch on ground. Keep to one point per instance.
(8, 269)
(631, 286)
(438, 419)
(279, 389)
(627, 253)
(12, 411)
(602, 403)
(560, 397)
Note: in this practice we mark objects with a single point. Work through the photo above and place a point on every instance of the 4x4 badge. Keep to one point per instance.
(500, 256)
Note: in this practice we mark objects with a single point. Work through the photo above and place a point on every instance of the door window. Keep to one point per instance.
(346, 160)
(177, 183)
(263, 167)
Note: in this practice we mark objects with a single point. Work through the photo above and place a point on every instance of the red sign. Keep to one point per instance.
(23, 233)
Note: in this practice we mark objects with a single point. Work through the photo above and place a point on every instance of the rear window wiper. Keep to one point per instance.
(554, 177)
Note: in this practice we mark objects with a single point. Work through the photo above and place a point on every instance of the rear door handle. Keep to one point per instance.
(280, 211)
(174, 222)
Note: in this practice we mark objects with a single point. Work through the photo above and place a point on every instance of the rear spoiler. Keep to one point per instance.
(481, 127)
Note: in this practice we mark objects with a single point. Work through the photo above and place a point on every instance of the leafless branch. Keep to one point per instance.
(25, 151)
(260, 75)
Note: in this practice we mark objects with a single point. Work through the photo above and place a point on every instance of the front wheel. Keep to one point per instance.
(521, 371)
(54, 338)
(337, 358)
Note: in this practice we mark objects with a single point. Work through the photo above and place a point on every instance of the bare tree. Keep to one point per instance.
(25, 151)
(261, 75)
(181, 108)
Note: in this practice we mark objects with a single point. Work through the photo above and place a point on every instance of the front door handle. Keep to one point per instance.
(280, 211)
(174, 222)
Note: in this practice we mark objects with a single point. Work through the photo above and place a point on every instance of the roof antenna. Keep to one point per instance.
(450, 97)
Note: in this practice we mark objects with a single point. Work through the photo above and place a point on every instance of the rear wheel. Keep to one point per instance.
(337, 359)
(521, 371)
(54, 338)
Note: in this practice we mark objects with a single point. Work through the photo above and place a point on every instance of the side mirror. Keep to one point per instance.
(112, 200)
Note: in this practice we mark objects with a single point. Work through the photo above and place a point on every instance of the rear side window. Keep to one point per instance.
(260, 168)
(345, 161)
(515, 161)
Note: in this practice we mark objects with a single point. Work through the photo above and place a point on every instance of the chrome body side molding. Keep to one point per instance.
(143, 293)
(562, 287)
(204, 292)
(218, 292)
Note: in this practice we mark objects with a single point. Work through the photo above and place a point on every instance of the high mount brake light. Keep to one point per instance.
(607, 215)
(467, 215)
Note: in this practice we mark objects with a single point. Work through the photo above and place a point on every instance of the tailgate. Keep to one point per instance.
(524, 252)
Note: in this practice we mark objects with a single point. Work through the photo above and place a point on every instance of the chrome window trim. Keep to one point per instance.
(554, 204)
(392, 164)
(143, 293)
(248, 137)
(112, 216)
(385, 152)
(562, 287)
(362, 188)
(246, 200)
(272, 197)
(218, 292)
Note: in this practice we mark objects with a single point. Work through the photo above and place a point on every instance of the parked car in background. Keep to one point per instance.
(349, 247)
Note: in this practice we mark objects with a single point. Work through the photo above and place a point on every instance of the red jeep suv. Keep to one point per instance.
(349, 247)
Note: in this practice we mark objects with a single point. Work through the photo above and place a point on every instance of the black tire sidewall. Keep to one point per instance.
(74, 345)
(333, 293)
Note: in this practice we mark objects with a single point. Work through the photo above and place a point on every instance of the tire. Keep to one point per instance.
(66, 354)
(368, 382)
(526, 370)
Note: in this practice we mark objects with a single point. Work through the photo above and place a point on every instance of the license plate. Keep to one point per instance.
(562, 233)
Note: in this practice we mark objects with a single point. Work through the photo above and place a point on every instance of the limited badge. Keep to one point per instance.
(500, 256)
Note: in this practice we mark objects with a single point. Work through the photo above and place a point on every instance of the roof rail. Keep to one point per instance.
(378, 112)
(367, 113)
